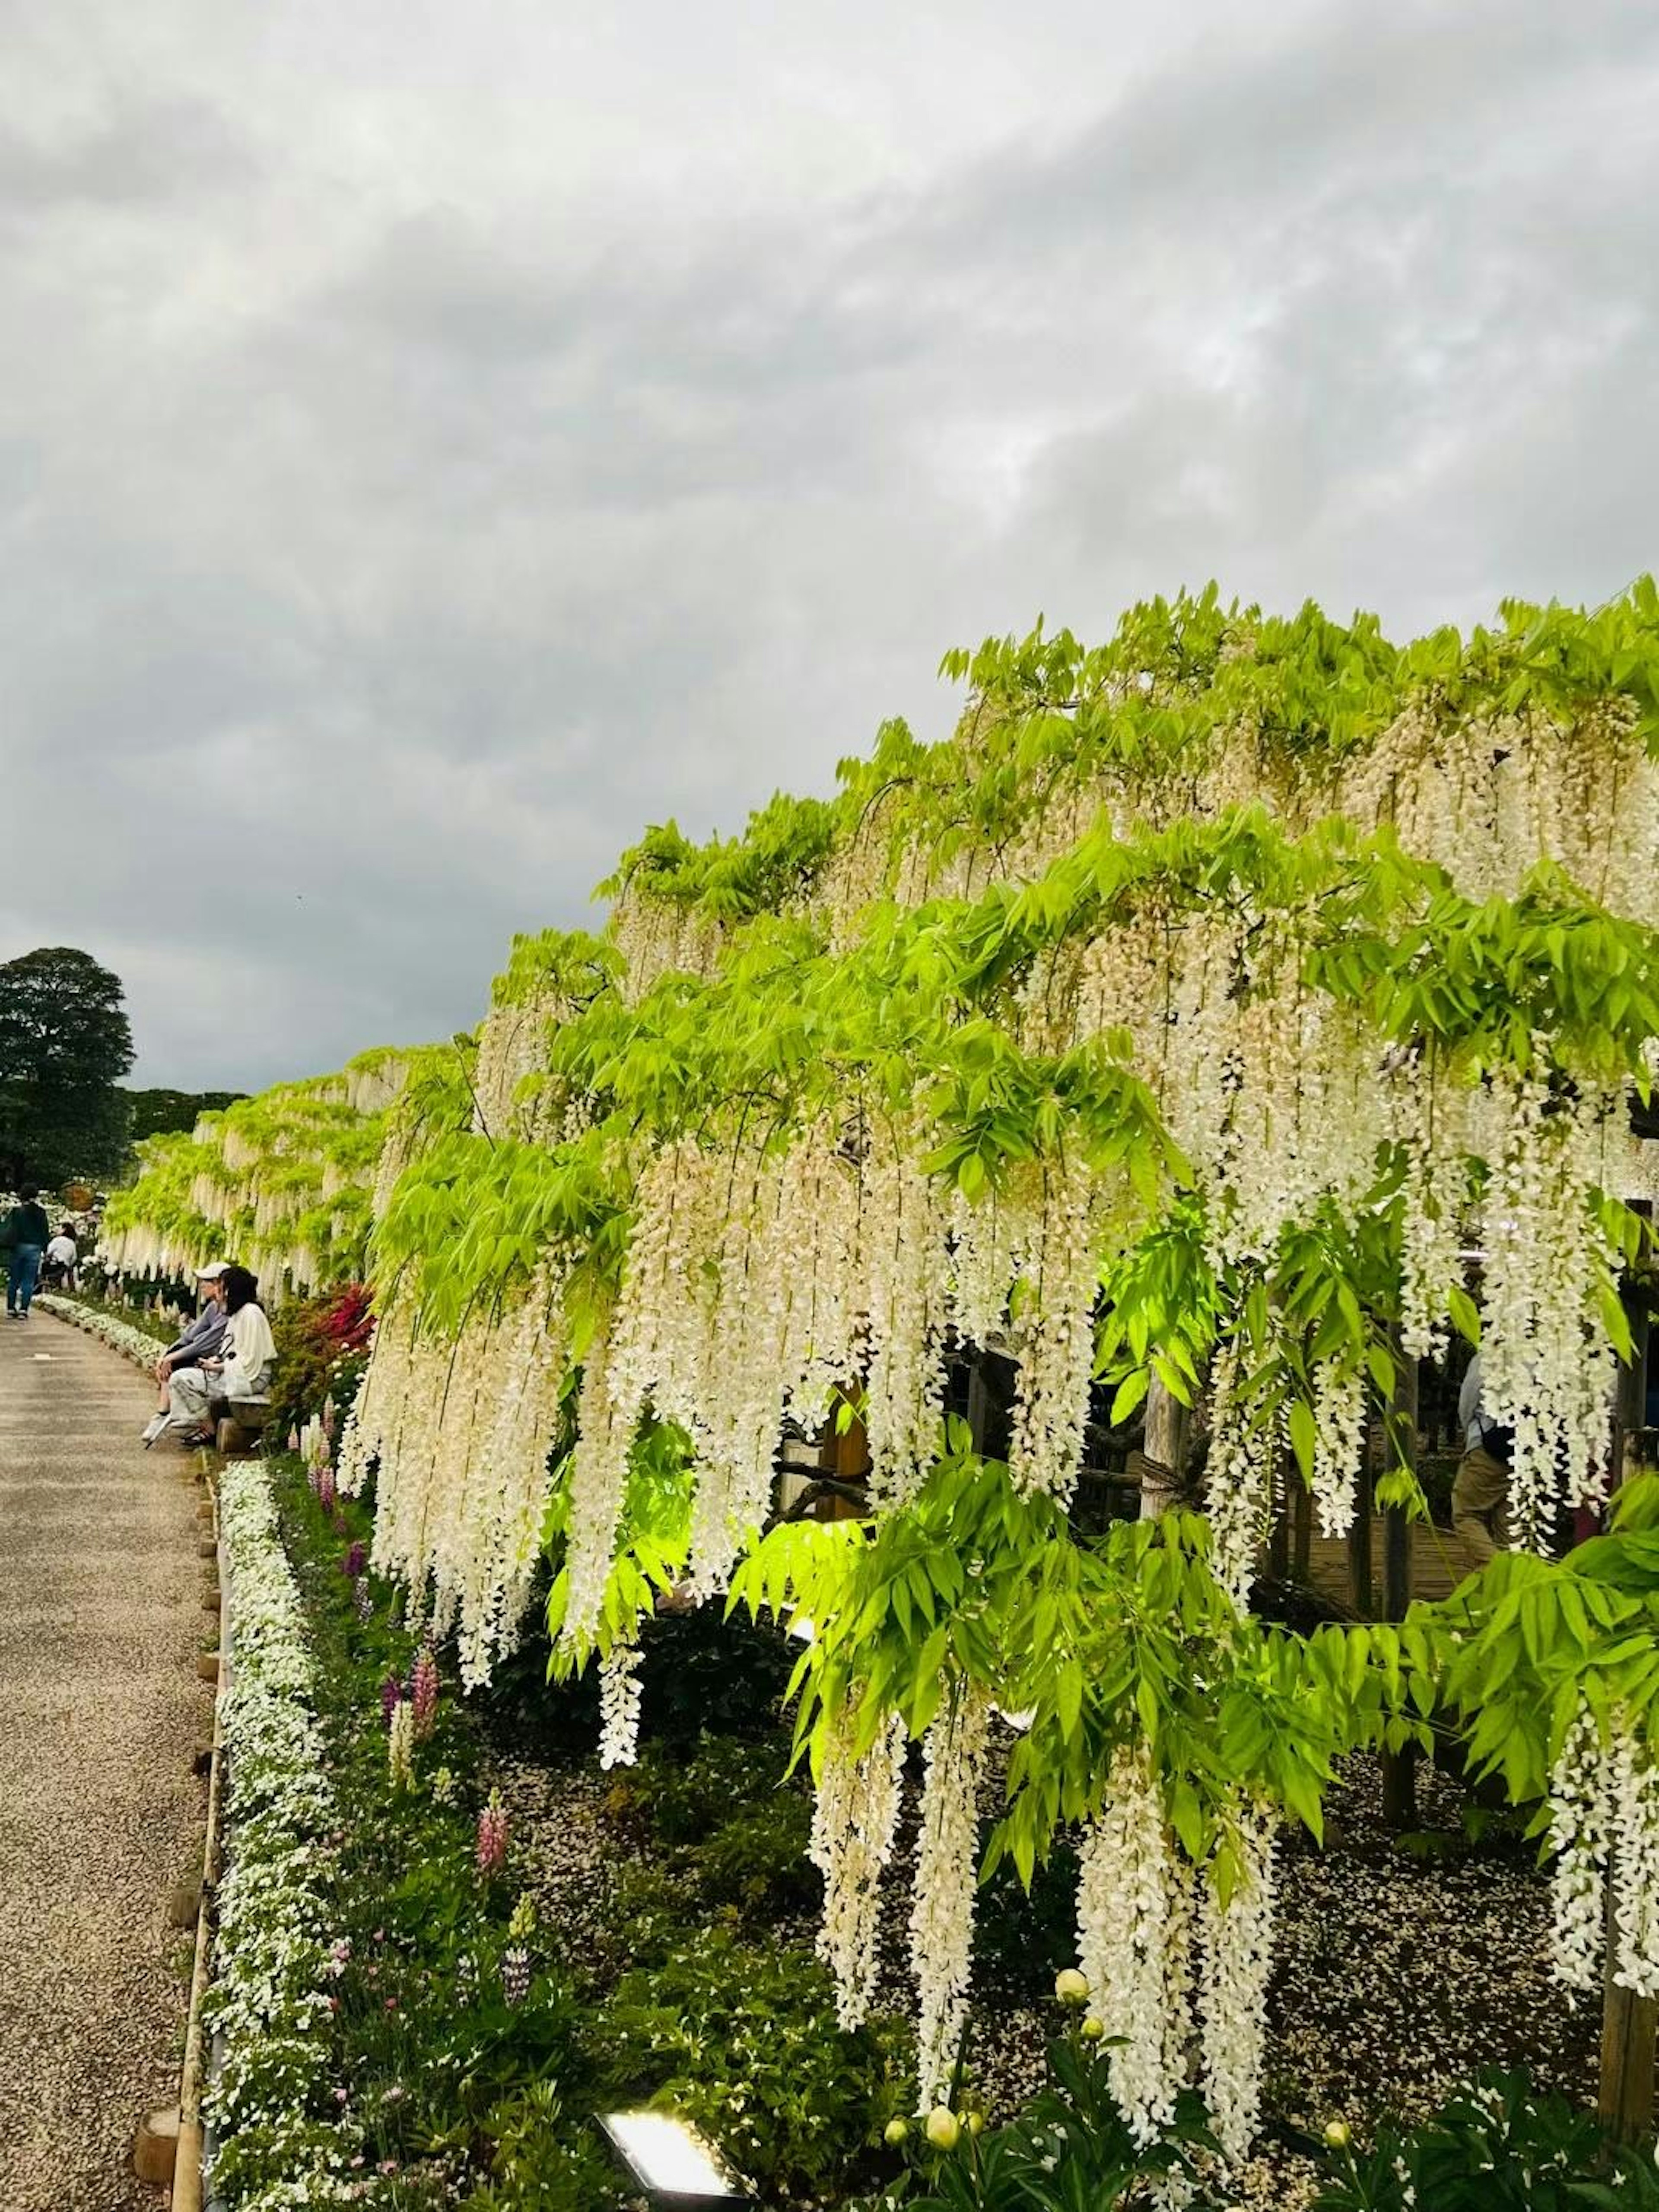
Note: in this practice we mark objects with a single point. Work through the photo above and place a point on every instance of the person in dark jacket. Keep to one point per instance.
(26, 1230)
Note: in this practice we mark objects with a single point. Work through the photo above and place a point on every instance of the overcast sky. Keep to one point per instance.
(436, 440)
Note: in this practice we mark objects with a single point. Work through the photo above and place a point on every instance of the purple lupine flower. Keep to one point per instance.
(423, 1691)
(356, 1560)
(492, 1836)
(391, 1696)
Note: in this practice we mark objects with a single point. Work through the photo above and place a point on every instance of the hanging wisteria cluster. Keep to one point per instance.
(1604, 1831)
(460, 1434)
(945, 1883)
(282, 1183)
(1178, 1972)
(855, 1813)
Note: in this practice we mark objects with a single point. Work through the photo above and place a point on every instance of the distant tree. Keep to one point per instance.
(64, 1045)
(170, 1113)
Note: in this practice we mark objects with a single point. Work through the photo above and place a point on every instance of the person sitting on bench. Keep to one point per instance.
(200, 1340)
(199, 1396)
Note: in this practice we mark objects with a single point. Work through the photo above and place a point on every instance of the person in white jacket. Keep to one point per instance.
(197, 1396)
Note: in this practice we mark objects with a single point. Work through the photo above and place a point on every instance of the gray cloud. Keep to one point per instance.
(436, 450)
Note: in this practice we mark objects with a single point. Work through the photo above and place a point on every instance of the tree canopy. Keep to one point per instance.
(64, 1045)
(156, 1113)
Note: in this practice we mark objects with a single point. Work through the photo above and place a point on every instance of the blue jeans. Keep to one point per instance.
(22, 1266)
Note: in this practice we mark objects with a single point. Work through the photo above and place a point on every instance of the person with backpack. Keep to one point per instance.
(24, 1235)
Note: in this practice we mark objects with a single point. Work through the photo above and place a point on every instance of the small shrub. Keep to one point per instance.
(1069, 2151)
(743, 2038)
(1498, 2145)
(322, 1348)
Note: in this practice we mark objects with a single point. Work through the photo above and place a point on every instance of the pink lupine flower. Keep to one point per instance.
(424, 1691)
(326, 1485)
(293, 1440)
(492, 1836)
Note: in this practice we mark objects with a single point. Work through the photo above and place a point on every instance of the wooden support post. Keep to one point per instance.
(1628, 2023)
(1627, 2058)
(1279, 1524)
(1164, 1473)
(155, 2148)
(1301, 1532)
(184, 1904)
(1400, 1450)
(845, 1454)
(1359, 1548)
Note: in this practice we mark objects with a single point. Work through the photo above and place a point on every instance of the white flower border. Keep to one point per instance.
(133, 1344)
(269, 2000)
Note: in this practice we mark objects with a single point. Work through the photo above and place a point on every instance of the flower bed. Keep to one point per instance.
(448, 1939)
(268, 2002)
(138, 1340)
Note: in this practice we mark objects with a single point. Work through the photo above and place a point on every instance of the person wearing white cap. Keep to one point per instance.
(200, 1341)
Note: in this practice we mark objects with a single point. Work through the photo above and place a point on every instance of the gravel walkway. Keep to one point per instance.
(99, 1814)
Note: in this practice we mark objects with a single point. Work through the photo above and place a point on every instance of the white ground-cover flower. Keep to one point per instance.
(268, 1999)
(133, 1344)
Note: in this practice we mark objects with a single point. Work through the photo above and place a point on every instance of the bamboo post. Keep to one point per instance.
(1400, 1440)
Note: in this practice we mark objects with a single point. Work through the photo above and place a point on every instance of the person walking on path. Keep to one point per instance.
(1480, 1493)
(200, 1340)
(24, 1236)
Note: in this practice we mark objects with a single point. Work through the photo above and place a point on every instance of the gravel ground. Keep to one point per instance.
(100, 1813)
(1398, 1974)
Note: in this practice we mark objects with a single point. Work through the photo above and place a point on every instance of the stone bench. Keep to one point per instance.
(240, 1429)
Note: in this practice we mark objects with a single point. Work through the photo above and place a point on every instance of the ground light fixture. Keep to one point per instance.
(677, 2169)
